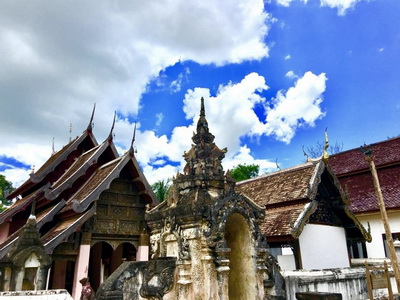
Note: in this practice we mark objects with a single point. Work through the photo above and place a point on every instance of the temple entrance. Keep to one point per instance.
(104, 261)
(242, 278)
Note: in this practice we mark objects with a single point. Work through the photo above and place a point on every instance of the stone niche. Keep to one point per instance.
(25, 267)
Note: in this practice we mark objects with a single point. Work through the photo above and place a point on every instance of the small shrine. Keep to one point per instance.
(212, 230)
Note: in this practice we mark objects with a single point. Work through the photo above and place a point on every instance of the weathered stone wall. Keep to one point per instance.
(350, 282)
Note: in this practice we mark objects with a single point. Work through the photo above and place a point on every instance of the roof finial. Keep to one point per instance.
(110, 136)
(133, 140)
(202, 124)
(52, 148)
(202, 110)
(70, 132)
(325, 155)
(90, 125)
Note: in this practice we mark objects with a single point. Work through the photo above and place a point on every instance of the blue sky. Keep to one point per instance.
(274, 74)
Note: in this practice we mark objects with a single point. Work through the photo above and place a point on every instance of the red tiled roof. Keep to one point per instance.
(385, 153)
(279, 187)
(353, 173)
(360, 189)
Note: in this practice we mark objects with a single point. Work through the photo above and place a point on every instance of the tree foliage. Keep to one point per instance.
(317, 150)
(243, 171)
(5, 188)
(160, 189)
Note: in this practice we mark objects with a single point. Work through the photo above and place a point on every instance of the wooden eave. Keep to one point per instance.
(21, 204)
(64, 229)
(79, 168)
(52, 163)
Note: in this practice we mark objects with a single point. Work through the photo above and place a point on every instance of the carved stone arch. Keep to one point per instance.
(234, 204)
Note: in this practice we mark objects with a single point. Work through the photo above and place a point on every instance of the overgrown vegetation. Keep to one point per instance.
(161, 188)
(243, 172)
(5, 188)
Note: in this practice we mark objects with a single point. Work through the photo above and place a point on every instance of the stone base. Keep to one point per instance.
(36, 295)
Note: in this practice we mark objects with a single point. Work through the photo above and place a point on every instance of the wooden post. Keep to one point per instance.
(393, 257)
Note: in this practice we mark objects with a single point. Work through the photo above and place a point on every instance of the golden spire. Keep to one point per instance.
(325, 155)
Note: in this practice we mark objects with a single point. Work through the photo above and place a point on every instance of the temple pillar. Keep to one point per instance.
(82, 264)
(142, 253)
(41, 278)
(261, 272)
(96, 271)
(207, 261)
(222, 263)
(4, 230)
(116, 258)
(18, 278)
(184, 283)
(59, 272)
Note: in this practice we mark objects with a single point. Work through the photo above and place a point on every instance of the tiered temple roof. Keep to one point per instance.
(63, 192)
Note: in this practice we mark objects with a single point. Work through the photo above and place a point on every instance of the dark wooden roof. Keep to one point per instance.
(53, 162)
(354, 175)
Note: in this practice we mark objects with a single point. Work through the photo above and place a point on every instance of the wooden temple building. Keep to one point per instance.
(308, 222)
(80, 215)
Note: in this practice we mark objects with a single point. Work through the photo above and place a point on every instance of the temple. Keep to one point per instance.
(88, 212)
(82, 212)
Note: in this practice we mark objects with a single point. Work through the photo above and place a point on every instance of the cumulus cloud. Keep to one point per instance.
(298, 106)
(290, 74)
(341, 5)
(64, 56)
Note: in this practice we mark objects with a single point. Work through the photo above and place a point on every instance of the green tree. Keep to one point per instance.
(243, 172)
(5, 188)
(160, 189)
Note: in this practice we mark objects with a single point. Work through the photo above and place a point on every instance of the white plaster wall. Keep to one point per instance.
(323, 247)
(375, 249)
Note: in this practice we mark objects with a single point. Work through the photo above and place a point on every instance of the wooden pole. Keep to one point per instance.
(382, 208)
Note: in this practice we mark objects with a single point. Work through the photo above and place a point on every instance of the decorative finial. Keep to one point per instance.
(277, 165)
(202, 110)
(110, 136)
(306, 155)
(90, 125)
(33, 208)
(33, 169)
(52, 148)
(325, 155)
(133, 140)
(70, 132)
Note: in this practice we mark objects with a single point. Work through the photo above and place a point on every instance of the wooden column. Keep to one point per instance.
(385, 219)
(59, 272)
(116, 258)
(82, 264)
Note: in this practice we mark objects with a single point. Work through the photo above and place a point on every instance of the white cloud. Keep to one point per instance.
(107, 53)
(291, 75)
(299, 106)
(159, 118)
(341, 5)
(288, 57)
